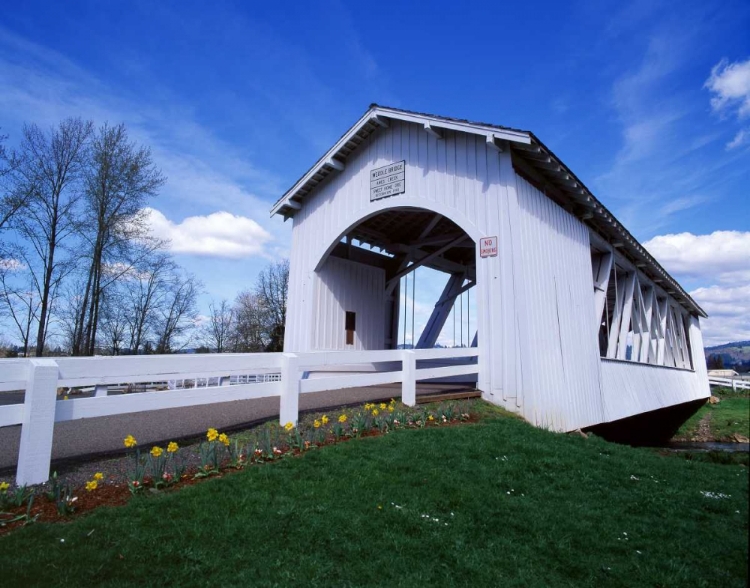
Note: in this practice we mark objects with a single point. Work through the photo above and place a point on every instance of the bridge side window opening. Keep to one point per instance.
(638, 322)
(350, 324)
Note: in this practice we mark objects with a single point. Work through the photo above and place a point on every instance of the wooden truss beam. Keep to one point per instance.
(436, 240)
(430, 226)
(627, 313)
(602, 271)
(392, 282)
(442, 310)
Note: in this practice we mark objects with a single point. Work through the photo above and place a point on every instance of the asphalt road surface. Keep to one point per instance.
(103, 435)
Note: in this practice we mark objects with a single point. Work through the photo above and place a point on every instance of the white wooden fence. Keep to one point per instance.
(41, 378)
(733, 383)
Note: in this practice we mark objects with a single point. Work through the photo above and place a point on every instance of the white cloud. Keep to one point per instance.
(663, 136)
(728, 311)
(721, 258)
(682, 203)
(721, 255)
(742, 137)
(219, 234)
(12, 265)
(730, 84)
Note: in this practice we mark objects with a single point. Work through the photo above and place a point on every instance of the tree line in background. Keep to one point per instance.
(255, 321)
(81, 274)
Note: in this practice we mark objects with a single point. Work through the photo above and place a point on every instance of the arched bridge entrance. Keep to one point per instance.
(367, 287)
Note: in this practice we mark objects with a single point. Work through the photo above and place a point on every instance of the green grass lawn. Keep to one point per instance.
(730, 416)
(497, 503)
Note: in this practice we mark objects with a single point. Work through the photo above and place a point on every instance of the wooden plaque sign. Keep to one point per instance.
(388, 180)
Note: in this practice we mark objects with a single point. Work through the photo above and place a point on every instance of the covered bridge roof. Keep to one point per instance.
(529, 154)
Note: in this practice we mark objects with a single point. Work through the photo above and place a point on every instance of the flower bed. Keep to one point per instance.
(161, 468)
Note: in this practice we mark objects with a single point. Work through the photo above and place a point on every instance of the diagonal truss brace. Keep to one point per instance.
(440, 313)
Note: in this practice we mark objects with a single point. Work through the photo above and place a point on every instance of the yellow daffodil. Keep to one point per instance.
(324, 420)
(4, 486)
(382, 406)
(130, 441)
(316, 424)
(172, 447)
(65, 397)
(430, 418)
(393, 401)
(91, 485)
(156, 451)
(98, 476)
(212, 434)
(288, 427)
(390, 408)
(375, 412)
(342, 418)
(224, 439)
(368, 406)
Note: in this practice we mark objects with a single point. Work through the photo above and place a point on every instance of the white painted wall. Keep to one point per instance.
(631, 388)
(341, 286)
(538, 352)
(560, 381)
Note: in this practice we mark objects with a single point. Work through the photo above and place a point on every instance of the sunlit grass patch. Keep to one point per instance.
(494, 503)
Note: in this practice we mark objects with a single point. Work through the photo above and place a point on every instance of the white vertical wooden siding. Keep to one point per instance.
(342, 285)
(538, 352)
(631, 388)
(560, 356)
(457, 176)
(441, 175)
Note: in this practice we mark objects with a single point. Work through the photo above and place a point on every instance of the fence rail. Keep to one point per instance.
(733, 383)
(214, 377)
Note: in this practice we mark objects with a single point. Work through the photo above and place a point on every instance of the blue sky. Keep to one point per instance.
(648, 102)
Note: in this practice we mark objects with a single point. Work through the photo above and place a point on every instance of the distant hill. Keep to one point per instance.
(734, 355)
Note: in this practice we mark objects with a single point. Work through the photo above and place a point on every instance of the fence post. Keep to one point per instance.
(289, 402)
(35, 452)
(408, 378)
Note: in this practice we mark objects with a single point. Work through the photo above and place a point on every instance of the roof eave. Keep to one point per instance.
(378, 116)
(578, 192)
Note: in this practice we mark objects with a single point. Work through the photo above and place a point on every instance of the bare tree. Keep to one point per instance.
(177, 313)
(145, 287)
(13, 194)
(22, 306)
(7, 349)
(248, 333)
(50, 169)
(217, 332)
(114, 322)
(118, 184)
(69, 308)
(271, 291)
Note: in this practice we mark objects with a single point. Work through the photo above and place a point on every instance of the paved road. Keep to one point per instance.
(84, 437)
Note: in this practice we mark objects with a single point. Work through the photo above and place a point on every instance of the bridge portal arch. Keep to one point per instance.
(359, 279)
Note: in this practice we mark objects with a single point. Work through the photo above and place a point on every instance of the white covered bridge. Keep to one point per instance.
(578, 324)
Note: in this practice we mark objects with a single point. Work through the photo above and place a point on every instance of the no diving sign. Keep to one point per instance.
(488, 247)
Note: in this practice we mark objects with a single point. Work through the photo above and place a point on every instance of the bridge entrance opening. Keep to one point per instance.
(401, 278)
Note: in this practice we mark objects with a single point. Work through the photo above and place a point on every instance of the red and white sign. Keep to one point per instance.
(488, 247)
